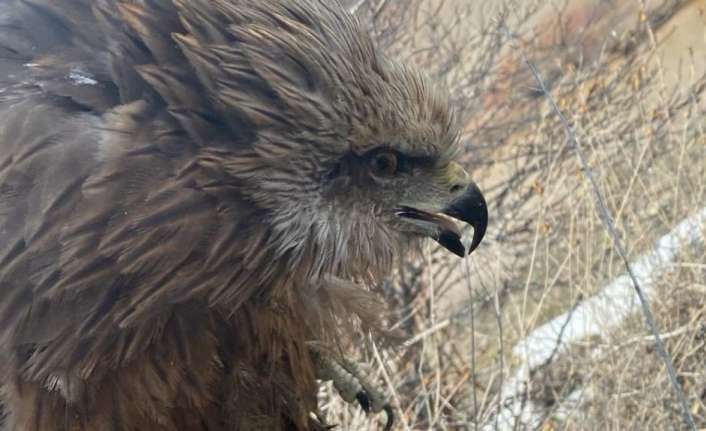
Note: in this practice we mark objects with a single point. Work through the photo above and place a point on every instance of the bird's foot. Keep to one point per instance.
(353, 384)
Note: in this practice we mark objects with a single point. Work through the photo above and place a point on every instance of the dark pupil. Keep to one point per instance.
(335, 172)
(383, 163)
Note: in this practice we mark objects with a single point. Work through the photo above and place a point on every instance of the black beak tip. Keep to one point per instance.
(452, 243)
(472, 209)
(479, 229)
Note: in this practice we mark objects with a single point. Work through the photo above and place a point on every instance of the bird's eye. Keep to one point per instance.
(334, 172)
(384, 164)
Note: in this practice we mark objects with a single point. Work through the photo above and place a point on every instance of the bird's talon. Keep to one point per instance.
(390, 416)
(353, 384)
(363, 400)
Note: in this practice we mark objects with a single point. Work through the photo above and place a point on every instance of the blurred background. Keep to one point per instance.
(540, 328)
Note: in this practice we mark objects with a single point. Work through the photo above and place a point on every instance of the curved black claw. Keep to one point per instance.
(390, 416)
(365, 404)
(363, 400)
(353, 385)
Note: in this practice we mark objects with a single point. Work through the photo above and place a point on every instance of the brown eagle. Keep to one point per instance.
(194, 194)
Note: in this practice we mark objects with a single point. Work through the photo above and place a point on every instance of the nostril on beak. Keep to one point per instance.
(458, 179)
(456, 188)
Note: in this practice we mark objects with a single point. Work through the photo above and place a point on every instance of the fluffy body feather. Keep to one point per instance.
(183, 208)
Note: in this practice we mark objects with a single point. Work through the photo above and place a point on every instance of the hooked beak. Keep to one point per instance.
(469, 207)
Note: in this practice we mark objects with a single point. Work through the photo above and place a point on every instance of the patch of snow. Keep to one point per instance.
(614, 302)
(594, 316)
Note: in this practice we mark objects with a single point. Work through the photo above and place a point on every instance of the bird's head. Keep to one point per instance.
(352, 152)
(398, 175)
(346, 152)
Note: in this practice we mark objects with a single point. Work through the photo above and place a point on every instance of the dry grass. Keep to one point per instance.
(622, 381)
(643, 133)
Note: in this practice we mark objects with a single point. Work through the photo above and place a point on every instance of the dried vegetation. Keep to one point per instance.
(641, 123)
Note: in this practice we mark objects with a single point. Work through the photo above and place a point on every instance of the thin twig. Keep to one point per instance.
(473, 343)
(353, 9)
(560, 337)
(607, 220)
(390, 385)
(501, 351)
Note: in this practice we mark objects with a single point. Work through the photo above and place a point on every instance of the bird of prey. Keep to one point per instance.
(195, 196)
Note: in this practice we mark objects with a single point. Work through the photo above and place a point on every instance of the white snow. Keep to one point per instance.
(594, 316)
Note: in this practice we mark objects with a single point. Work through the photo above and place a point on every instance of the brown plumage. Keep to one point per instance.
(193, 193)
